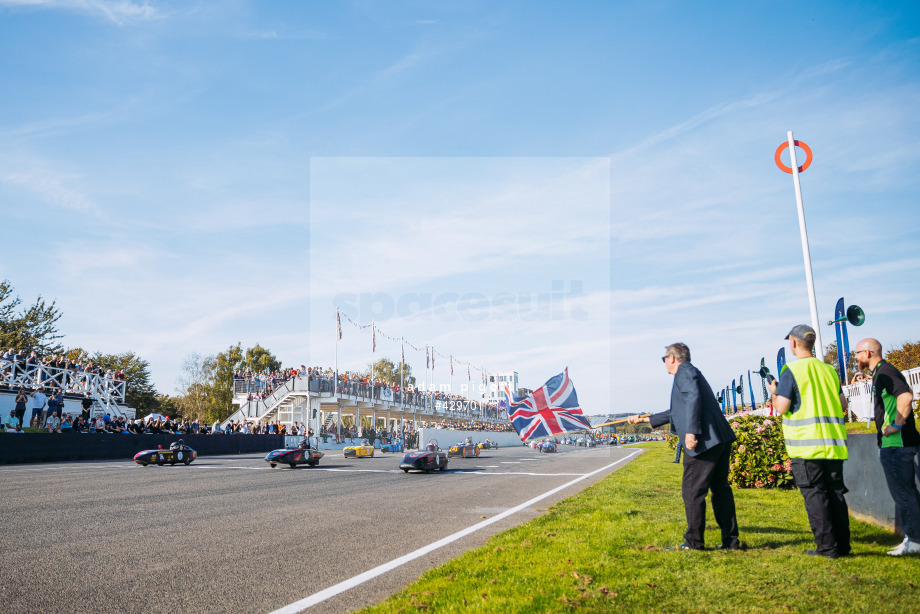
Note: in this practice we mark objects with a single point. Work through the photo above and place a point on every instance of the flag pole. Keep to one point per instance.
(806, 253)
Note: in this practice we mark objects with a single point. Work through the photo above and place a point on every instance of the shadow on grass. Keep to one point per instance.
(768, 530)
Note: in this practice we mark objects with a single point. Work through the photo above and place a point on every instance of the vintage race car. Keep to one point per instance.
(365, 449)
(463, 450)
(488, 444)
(301, 454)
(176, 453)
(427, 460)
(547, 446)
(395, 446)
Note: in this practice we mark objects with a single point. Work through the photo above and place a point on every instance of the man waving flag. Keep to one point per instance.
(548, 411)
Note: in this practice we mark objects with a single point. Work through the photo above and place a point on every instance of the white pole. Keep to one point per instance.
(335, 384)
(806, 254)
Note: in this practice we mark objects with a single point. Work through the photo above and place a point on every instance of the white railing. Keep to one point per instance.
(106, 393)
(913, 378)
(859, 400)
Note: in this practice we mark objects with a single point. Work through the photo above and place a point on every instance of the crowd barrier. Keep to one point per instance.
(868, 496)
(54, 447)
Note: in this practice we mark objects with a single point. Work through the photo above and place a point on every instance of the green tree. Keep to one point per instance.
(830, 357)
(31, 329)
(905, 357)
(260, 360)
(220, 401)
(195, 384)
(385, 370)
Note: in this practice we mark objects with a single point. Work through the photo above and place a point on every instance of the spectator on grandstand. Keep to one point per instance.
(79, 424)
(86, 404)
(67, 424)
(21, 400)
(39, 402)
(12, 420)
(53, 424)
(215, 428)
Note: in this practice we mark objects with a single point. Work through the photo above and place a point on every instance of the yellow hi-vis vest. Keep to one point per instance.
(816, 430)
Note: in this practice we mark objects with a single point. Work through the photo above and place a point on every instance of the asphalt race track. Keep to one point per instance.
(230, 534)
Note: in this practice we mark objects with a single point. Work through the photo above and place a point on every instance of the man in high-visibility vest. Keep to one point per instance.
(811, 401)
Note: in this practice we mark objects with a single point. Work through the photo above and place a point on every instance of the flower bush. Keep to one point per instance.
(759, 457)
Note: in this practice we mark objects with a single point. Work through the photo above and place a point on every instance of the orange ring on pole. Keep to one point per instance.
(788, 169)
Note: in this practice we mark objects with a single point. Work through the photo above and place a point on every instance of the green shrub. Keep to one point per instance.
(759, 457)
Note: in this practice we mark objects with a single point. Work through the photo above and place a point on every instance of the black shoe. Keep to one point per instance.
(735, 546)
(829, 555)
(675, 461)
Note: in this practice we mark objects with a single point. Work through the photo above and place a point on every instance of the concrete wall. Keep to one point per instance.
(868, 498)
(447, 437)
(50, 447)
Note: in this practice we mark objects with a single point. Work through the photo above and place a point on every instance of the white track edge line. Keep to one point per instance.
(341, 587)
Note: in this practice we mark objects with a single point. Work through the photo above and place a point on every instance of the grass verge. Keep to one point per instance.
(604, 550)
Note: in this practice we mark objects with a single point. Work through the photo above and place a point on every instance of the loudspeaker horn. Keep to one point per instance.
(855, 315)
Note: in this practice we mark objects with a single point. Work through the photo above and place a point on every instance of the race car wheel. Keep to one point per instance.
(143, 464)
(159, 463)
(272, 465)
(172, 464)
(477, 452)
(443, 467)
(188, 460)
(292, 465)
(313, 463)
(405, 471)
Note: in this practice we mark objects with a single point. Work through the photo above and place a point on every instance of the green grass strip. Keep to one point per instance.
(603, 550)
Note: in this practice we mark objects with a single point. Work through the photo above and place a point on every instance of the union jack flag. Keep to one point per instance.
(547, 411)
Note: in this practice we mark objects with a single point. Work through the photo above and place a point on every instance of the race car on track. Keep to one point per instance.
(547, 446)
(464, 450)
(394, 446)
(301, 454)
(178, 452)
(365, 449)
(488, 444)
(427, 460)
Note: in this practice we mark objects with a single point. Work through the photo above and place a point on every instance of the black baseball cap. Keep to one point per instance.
(802, 331)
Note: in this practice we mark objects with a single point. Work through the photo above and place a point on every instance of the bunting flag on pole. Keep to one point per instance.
(373, 339)
(403, 355)
(432, 358)
(427, 358)
(451, 364)
(338, 319)
(550, 410)
(468, 377)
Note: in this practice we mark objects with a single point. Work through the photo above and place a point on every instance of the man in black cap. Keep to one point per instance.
(811, 401)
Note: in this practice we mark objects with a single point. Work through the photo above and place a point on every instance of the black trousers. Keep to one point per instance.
(704, 473)
(821, 483)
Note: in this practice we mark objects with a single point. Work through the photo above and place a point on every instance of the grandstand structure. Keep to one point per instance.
(316, 402)
(108, 395)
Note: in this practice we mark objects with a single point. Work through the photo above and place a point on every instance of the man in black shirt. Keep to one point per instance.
(898, 439)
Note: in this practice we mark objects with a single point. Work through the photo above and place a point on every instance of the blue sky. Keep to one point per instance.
(180, 176)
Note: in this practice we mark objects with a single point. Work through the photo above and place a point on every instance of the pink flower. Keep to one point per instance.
(746, 474)
(742, 449)
(788, 464)
(770, 450)
(768, 423)
(759, 483)
(735, 425)
(771, 478)
(776, 467)
(760, 429)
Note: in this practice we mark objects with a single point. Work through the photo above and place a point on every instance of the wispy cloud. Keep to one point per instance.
(120, 12)
(57, 189)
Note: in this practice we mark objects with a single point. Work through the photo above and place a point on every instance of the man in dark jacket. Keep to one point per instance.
(707, 439)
